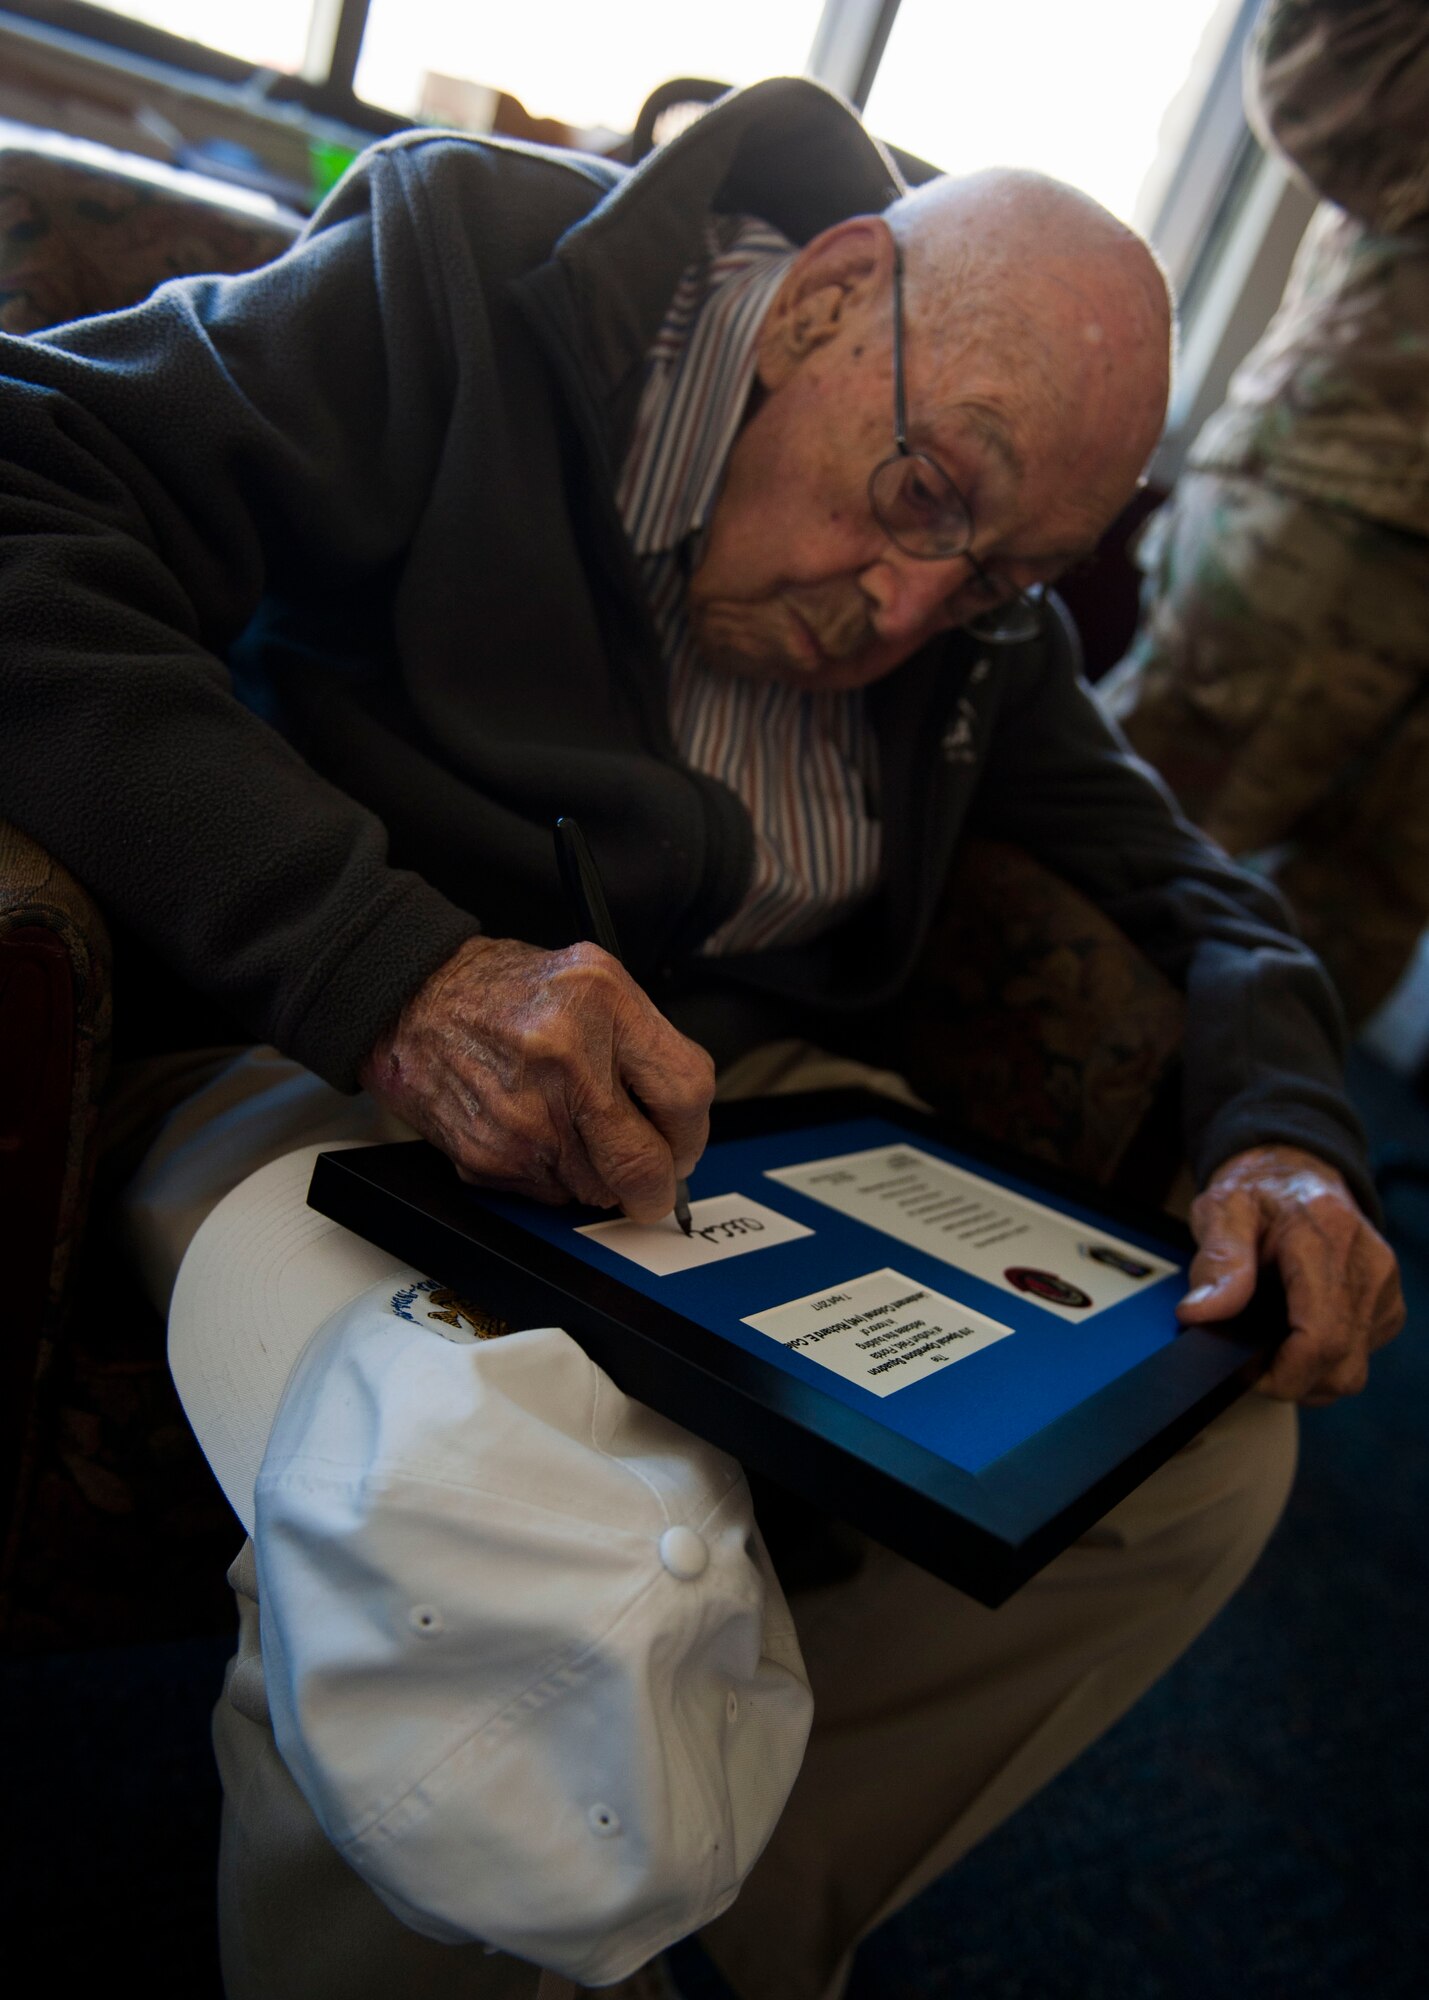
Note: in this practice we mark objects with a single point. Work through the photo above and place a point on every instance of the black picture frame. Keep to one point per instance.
(987, 1532)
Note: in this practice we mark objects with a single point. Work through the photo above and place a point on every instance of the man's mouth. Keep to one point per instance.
(830, 633)
(810, 654)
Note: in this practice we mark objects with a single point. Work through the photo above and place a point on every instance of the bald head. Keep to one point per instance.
(1014, 267)
(1030, 381)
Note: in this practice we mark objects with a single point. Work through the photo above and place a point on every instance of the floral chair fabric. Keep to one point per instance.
(1033, 1021)
(77, 238)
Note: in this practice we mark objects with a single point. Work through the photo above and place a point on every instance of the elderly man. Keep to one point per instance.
(712, 504)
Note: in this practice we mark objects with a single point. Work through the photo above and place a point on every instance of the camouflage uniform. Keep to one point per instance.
(1280, 678)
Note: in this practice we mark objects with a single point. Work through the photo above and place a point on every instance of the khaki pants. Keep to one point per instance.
(934, 1718)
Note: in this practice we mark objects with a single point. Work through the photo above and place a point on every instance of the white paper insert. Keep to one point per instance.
(883, 1331)
(1064, 1266)
(726, 1225)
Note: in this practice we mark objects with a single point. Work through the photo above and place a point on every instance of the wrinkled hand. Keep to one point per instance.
(1279, 1205)
(523, 1064)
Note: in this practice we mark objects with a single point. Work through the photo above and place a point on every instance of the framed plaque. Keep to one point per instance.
(966, 1356)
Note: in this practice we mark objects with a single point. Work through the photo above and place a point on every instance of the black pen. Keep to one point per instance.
(583, 885)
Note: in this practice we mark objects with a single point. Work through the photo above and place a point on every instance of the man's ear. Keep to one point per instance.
(833, 283)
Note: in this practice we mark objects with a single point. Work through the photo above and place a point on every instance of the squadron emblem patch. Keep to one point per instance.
(432, 1305)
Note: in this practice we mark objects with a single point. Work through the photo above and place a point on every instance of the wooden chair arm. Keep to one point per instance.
(55, 964)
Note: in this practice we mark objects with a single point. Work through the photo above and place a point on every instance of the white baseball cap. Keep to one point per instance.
(525, 1653)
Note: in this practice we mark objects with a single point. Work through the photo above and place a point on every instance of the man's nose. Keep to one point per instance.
(907, 596)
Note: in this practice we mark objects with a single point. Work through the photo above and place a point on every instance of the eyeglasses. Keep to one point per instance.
(922, 512)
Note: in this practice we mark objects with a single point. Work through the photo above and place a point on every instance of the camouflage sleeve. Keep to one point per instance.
(1341, 88)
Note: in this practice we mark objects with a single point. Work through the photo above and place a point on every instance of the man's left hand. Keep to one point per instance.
(1278, 1205)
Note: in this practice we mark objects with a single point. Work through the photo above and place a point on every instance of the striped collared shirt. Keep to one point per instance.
(801, 763)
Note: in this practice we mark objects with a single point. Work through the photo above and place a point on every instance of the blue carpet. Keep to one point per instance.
(110, 1814)
(1260, 1822)
(1257, 1824)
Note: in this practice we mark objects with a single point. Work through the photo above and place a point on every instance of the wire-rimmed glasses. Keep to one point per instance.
(922, 512)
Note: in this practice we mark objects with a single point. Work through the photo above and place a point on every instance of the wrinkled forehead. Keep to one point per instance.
(1050, 339)
(1040, 418)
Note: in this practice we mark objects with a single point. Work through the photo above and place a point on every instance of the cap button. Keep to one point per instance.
(683, 1553)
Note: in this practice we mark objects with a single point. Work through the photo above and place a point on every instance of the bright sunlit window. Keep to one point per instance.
(1102, 93)
(590, 67)
(1082, 92)
(272, 34)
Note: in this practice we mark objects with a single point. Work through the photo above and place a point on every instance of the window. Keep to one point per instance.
(1138, 101)
(1116, 95)
(270, 34)
(589, 67)
(1085, 92)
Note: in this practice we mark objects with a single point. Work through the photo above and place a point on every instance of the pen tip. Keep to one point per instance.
(682, 1207)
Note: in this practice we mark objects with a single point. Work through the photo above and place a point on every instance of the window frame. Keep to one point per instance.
(1226, 227)
(848, 45)
(322, 87)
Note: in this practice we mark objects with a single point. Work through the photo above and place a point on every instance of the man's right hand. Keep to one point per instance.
(525, 1067)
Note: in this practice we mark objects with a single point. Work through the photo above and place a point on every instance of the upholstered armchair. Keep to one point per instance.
(83, 230)
(1064, 1038)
